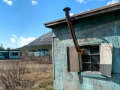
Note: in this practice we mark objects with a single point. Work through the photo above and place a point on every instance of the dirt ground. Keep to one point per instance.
(35, 76)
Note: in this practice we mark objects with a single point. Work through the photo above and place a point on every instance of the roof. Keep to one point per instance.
(98, 11)
(14, 50)
(9, 50)
(3, 51)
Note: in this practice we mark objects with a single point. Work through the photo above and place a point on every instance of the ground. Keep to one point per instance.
(29, 74)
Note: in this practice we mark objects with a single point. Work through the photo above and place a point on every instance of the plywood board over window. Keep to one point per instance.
(106, 59)
(73, 59)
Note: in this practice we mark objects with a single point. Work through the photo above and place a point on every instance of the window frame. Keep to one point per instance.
(90, 54)
(74, 60)
(14, 53)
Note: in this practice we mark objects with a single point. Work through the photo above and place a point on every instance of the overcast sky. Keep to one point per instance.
(21, 21)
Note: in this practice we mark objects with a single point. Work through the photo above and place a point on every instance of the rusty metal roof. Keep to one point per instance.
(97, 11)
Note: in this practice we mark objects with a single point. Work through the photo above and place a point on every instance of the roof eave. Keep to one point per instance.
(98, 11)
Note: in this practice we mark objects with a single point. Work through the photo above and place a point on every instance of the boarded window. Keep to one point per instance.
(96, 58)
(106, 59)
(73, 59)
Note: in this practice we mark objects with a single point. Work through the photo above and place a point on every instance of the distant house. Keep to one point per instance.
(40, 52)
(4, 54)
(43, 52)
(12, 54)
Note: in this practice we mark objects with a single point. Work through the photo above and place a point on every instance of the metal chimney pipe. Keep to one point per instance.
(68, 19)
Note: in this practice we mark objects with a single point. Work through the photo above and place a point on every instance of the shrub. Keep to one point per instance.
(12, 74)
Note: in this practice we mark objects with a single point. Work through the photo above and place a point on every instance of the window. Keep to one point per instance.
(15, 53)
(90, 59)
(1, 54)
(96, 58)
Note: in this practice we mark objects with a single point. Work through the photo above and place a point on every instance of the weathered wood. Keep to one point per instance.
(73, 59)
(106, 59)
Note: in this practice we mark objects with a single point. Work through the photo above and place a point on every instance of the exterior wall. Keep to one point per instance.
(89, 31)
(43, 52)
(37, 53)
(4, 55)
(30, 53)
(14, 56)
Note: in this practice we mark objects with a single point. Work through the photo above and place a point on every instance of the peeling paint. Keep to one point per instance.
(91, 31)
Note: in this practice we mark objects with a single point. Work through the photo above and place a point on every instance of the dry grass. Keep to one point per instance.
(35, 76)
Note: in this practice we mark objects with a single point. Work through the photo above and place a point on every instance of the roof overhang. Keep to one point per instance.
(14, 51)
(94, 12)
(3, 51)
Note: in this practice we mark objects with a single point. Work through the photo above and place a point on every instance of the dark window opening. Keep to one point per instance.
(15, 53)
(85, 58)
(86, 67)
(1, 54)
(91, 58)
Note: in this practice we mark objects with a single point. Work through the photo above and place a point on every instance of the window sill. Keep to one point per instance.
(91, 74)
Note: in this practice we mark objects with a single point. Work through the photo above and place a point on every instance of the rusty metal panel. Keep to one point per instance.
(73, 59)
(106, 59)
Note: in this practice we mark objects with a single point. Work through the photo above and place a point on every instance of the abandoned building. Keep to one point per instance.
(11, 54)
(95, 63)
(40, 52)
(14, 54)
